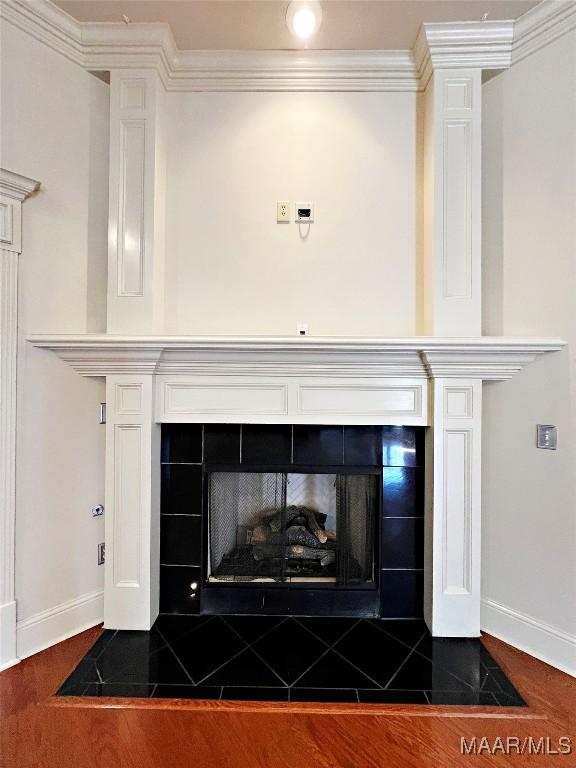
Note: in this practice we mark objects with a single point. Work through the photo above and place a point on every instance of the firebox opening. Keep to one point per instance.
(292, 527)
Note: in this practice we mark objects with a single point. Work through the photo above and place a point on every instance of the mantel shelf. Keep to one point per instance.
(485, 357)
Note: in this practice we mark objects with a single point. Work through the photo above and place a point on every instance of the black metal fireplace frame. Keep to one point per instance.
(299, 599)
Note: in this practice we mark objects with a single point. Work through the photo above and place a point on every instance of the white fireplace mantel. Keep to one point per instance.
(492, 358)
(423, 381)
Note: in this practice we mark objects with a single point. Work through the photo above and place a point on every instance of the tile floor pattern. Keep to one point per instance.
(276, 658)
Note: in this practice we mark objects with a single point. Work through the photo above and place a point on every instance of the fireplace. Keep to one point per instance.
(292, 519)
(292, 527)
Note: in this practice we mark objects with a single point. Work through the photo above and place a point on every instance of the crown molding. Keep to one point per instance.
(463, 45)
(48, 24)
(487, 357)
(105, 46)
(294, 71)
(542, 25)
(16, 186)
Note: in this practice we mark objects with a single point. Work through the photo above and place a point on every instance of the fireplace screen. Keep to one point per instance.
(276, 526)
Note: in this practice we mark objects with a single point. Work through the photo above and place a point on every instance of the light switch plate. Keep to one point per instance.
(546, 436)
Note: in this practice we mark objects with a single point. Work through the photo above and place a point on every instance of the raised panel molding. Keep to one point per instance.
(241, 400)
(131, 213)
(128, 399)
(136, 203)
(6, 222)
(458, 94)
(452, 538)
(360, 399)
(126, 557)
(132, 504)
(298, 401)
(133, 94)
(452, 203)
(458, 403)
(457, 193)
(457, 536)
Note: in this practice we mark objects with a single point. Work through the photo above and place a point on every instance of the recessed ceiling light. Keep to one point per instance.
(303, 18)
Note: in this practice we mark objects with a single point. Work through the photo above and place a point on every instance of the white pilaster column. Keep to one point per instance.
(14, 189)
(451, 272)
(136, 200)
(453, 506)
(132, 535)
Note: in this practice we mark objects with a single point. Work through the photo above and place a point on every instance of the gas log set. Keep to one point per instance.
(283, 541)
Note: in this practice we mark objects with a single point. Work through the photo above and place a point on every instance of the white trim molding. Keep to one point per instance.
(14, 189)
(545, 642)
(463, 45)
(49, 627)
(110, 46)
(295, 380)
(132, 573)
(493, 358)
(455, 45)
(542, 25)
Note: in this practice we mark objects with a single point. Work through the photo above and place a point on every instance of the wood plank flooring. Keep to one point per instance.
(40, 731)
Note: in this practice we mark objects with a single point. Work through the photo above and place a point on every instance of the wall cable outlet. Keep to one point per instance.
(304, 212)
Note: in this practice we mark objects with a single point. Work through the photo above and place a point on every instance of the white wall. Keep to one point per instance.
(529, 495)
(232, 269)
(57, 132)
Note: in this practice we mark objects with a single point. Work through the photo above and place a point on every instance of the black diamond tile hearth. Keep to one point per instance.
(378, 655)
(418, 673)
(408, 632)
(290, 650)
(208, 648)
(333, 671)
(173, 626)
(328, 629)
(250, 628)
(291, 659)
(159, 667)
(246, 669)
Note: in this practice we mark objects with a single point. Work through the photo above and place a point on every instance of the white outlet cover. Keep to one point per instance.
(303, 206)
(282, 211)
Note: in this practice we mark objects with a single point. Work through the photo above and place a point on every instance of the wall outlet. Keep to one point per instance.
(304, 212)
(98, 510)
(282, 212)
(302, 329)
(101, 553)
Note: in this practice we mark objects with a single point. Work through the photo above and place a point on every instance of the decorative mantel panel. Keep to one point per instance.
(423, 381)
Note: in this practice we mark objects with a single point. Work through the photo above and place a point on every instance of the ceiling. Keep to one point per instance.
(260, 24)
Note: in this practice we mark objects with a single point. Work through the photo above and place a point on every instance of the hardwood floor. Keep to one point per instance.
(39, 730)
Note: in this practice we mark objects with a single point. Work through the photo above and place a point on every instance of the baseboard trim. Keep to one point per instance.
(49, 627)
(8, 655)
(541, 640)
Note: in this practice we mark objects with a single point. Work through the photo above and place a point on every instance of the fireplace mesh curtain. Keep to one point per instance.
(252, 535)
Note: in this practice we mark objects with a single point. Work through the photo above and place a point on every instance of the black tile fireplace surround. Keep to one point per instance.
(364, 482)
